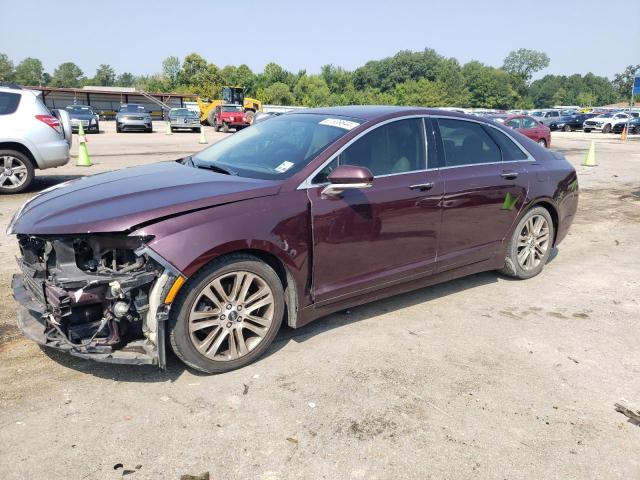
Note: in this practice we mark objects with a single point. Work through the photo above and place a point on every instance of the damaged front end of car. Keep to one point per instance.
(102, 296)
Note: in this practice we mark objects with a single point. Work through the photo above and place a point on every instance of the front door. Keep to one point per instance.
(381, 235)
(486, 183)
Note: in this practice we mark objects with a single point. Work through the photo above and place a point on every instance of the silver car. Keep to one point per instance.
(184, 118)
(31, 137)
(133, 117)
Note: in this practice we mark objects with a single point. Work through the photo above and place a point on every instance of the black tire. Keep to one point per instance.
(542, 142)
(19, 160)
(150, 130)
(97, 128)
(606, 128)
(179, 335)
(566, 128)
(586, 130)
(512, 266)
(118, 129)
(250, 115)
(225, 127)
(197, 130)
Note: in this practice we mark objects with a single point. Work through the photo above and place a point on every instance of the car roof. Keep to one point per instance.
(375, 112)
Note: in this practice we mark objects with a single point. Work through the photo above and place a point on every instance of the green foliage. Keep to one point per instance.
(6, 68)
(623, 82)
(68, 75)
(29, 72)
(312, 91)
(105, 76)
(171, 70)
(406, 78)
(524, 63)
(488, 87)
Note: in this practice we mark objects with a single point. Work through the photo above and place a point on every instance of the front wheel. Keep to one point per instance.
(530, 245)
(606, 128)
(586, 130)
(227, 315)
(567, 128)
(225, 127)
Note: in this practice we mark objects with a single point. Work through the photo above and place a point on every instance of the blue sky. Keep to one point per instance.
(135, 36)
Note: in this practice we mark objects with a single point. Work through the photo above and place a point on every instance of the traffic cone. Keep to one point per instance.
(83, 155)
(203, 136)
(623, 135)
(590, 158)
(168, 130)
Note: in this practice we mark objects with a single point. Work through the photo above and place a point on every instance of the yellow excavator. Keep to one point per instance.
(230, 96)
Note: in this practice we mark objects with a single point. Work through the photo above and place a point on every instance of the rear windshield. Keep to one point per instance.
(9, 102)
(132, 108)
(278, 148)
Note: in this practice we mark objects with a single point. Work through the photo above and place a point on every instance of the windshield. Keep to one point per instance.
(181, 112)
(231, 108)
(132, 108)
(537, 114)
(78, 109)
(278, 148)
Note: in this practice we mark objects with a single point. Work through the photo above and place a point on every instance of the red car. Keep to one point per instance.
(309, 213)
(229, 116)
(528, 126)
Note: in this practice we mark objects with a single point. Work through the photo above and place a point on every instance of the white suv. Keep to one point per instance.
(30, 137)
(605, 121)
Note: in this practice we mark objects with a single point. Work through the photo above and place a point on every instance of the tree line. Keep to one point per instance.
(423, 78)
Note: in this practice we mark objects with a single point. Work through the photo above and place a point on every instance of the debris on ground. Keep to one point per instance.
(634, 416)
(202, 476)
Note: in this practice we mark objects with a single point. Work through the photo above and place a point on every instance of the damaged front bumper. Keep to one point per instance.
(101, 298)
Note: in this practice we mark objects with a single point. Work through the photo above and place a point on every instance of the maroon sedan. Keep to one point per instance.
(287, 221)
(528, 126)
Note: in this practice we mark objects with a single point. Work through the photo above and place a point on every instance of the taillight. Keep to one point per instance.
(51, 121)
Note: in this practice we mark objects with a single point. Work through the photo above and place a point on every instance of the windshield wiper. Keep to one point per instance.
(210, 166)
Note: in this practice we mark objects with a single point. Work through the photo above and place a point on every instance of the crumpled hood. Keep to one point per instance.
(121, 200)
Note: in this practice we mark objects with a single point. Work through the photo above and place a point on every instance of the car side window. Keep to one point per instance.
(529, 123)
(510, 151)
(9, 102)
(467, 143)
(513, 123)
(397, 147)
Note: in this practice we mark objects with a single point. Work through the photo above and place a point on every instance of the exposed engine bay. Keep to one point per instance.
(97, 295)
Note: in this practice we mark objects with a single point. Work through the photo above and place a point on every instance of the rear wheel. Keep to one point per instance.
(16, 171)
(530, 245)
(227, 315)
(567, 128)
(542, 142)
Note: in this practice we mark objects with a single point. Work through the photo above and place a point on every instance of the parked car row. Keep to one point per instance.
(570, 120)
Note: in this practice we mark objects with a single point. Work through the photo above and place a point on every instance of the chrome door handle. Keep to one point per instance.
(509, 175)
(422, 186)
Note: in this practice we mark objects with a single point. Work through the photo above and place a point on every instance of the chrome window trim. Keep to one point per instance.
(307, 183)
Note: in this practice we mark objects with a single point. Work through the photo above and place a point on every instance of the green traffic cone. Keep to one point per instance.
(203, 136)
(590, 158)
(83, 156)
(168, 130)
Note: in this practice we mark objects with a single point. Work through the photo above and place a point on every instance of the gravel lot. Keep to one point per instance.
(481, 377)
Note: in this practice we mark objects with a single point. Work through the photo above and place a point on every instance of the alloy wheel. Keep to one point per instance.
(231, 316)
(533, 242)
(13, 172)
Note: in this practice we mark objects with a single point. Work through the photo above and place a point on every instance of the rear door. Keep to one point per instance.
(382, 235)
(485, 187)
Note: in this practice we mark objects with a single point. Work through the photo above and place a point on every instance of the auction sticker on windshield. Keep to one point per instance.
(284, 166)
(340, 123)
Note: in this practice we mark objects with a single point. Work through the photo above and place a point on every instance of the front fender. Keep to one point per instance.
(278, 225)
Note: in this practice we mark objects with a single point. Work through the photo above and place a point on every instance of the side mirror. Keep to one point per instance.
(347, 177)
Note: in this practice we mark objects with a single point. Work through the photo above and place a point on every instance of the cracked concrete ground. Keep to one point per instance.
(481, 377)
